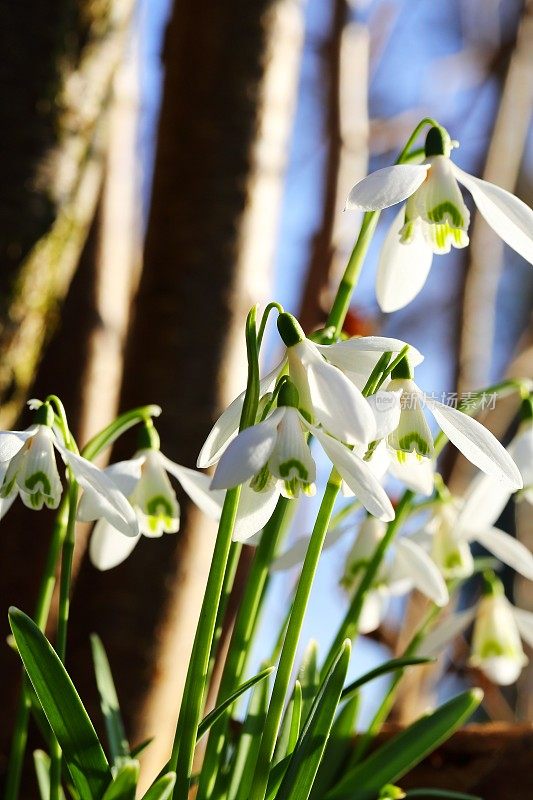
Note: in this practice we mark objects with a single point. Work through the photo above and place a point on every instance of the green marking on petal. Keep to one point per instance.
(36, 479)
(160, 506)
(446, 213)
(492, 649)
(261, 480)
(7, 488)
(413, 441)
(287, 468)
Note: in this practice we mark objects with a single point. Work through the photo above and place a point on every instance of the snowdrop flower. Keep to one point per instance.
(28, 468)
(276, 450)
(473, 440)
(496, 641)
(329, 379)
(452, 528)
(144, 481)
(435, 217)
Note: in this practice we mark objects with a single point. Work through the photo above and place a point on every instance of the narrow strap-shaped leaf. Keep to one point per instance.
(162, 788)
(302, 769)
(383, 669)
(337, 748)
(443, 793)
(244, 760)
(124, 783)
(392, 760)
(309, 677)
(283, 745)
(135, 751)
(217, 712)
(41, 761)
(63, 708)
(296, 717)
(116, 735)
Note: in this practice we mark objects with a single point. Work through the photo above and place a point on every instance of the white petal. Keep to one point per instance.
(227, 425)
(361, 353)
(196, 484)
(248, 453)
(476, 443)
(386, 187)
(386, 409)
(416, 564)
(114, 506)
(445, 632)
(402, 269)
(506, 214)
(373, 611)
(338, 405)
(507, 549)
(12, 441)
(521, 451)
(416, 473)
(484, 501)
(6, 503)
(125, 474)
(295, 554)
(255, 510)
(108, 547)
(524, 620)
(358, 476)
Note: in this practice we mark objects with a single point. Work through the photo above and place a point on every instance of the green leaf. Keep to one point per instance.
(303, 767)
(116, 735)
(217, 712)
(41, 761)
(290, 727)
(248, 745)
(383, 669)
(444, 793)
(63, 708)
(391, 761)
(135, 751)
(309, 677)
(162, 789)
(124, 783)
(337, 748)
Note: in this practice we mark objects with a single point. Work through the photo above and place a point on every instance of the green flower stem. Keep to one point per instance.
(229, 578)
(405, 154)
(112, 432)
(350, 624)
(243, 632)
(42, 609)
(341, 304)
(186, 730)
(288, 653)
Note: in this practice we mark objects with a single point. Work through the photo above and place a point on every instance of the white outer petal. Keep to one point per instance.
(507, 549)
(114, 506)
(361, 353)
(418, 475)
(12, 441)
(108, 547)
(445, 632)
(196, 485)
(476, 443)
(338, 404)
(524, 621)
(506, 214)
(484, 501)
(227, 425)
(125, 474)
(358, 476)
(402, 268)
(386, 187)
(255, 510)
(248, 453)
(417, 565)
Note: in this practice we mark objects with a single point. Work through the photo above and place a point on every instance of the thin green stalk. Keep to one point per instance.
(229, 578)
(243, 631)
(350, 624)
(288, 653)
(404, 155)
(341, 304)
(42, 609)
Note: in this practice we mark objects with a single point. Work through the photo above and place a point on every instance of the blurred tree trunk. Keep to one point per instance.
(203, 267)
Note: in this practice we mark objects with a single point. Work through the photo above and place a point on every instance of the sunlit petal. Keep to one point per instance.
(387, 186)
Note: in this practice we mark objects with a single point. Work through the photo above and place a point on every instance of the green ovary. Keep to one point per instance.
(413, 441)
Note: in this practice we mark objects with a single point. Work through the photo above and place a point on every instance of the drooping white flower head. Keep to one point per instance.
(276, 449)
(28, 468)
(434, 217)
(496, 642)
(471, 438)
(144, 481)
